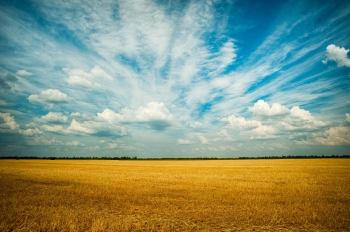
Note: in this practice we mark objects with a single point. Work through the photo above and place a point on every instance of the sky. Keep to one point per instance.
(157, 78)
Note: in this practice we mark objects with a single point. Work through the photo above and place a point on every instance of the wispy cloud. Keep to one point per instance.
(207, 74)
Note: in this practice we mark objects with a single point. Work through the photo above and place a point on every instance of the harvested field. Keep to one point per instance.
(233, 195)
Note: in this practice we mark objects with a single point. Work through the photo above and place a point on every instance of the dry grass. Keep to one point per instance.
(244, 195)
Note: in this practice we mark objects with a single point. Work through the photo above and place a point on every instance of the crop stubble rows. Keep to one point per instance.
(75, 195)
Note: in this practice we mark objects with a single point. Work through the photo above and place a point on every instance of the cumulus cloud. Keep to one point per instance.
(98, 72)
(31, 132)
(300, 119)
(288, 121)
(52, 117)
(302, 114)
(184, 142)
(50, 96)
(225, 135)
(84, 117)
(75, 114)
(337, 54)
(78, 81)
(241, 123)
(196, 125)
(155, 114)
(262, 108)
(203, 139)
(97, 128)
(76, 127)
(80, 78)
(11, 126)
(336, 136)
(9, 123)
(263, 132)
(23, 73)
(53, 128)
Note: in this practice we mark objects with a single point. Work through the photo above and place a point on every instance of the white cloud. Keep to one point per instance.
(52, 117)
(224, 134)
(112, 145)
(155, 114)
(50, 96)
(75, 114)
(78, 81)
(9, 123)
(184, 142)
(53, 128)
(302, 114)
(294, 120)
(241, 123)
(74, 143)
(337, 54)
(203, 139)
(347, 117)
(336, 136)
(98, 72)
(31, 132)
(80, 78)
(262, 108)
(301, 119)
(84, 117)
(77, 127)
(263, 132)
(97, 128)
(23, 73)
(228, 53)
(196, 125)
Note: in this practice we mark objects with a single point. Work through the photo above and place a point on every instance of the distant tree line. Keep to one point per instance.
(178, 158)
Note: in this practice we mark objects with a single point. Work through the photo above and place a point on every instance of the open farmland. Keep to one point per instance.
(235, 195)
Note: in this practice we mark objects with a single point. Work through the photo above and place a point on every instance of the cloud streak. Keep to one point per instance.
(150, 77)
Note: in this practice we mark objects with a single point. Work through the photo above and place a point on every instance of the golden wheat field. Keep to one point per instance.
(220, 195)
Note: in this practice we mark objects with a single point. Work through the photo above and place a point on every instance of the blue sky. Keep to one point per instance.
(174, 78)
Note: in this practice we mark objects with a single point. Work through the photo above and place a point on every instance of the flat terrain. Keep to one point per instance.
(234, 195)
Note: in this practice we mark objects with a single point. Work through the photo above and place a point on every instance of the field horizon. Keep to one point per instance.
(175, 195)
